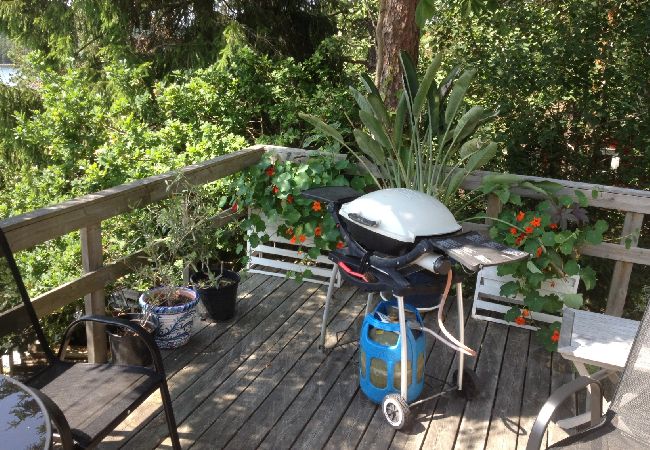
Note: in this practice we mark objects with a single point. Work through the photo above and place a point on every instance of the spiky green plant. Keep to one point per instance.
(427, 143)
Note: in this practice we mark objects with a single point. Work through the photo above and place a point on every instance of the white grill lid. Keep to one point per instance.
(401, 214)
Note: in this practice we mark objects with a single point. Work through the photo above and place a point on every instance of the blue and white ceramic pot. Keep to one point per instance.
(175, 321)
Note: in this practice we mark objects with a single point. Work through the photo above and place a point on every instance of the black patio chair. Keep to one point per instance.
(85, 401)
(626, 425)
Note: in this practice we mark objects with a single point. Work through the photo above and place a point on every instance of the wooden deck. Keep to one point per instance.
(260, 382)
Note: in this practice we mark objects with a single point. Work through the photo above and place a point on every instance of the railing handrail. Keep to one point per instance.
(41, 225)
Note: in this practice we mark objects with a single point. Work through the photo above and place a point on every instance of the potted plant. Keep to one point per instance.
(271, 191)
(171, 237)
(126, 347)
(551, 230)
(217, 286)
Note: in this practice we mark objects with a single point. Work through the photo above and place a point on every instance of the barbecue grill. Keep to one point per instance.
(404, 245)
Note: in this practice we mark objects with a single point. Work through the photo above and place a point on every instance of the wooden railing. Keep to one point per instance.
(87, 213)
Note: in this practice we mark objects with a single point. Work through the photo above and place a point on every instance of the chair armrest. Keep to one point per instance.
(57, 417)
(556, 399)
(122, 323)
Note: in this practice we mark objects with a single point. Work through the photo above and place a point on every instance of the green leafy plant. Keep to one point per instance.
(272, 190)
(179, 235)
(430, 142)
(552, 230)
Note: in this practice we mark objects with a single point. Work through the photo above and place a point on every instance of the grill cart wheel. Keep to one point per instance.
(470, 384)
(396, 411)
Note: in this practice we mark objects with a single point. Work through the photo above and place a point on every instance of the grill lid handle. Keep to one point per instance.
(362, 220)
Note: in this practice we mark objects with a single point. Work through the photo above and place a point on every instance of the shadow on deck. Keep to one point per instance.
(260, 382)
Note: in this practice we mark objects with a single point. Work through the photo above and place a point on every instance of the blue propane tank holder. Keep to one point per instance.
(380, 352)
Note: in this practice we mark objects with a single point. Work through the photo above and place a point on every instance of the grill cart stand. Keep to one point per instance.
(402, 244)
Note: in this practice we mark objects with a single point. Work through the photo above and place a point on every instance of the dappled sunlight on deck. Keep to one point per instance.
(259, 381)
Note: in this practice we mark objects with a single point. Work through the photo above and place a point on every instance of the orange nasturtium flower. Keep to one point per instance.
(340, 244)
(513, 231)
(293, 239)
(302, 238)
(270, 171)
(275, 190)
(553, 226)
(316, 206)
(538, 253)
(536, 221)
(520, 216)
(520, 320)
(290, 199)
(555, 336)
(525, 312)
(528, 230)
(317, 231)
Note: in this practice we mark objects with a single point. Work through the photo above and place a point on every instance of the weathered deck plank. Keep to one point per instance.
(537, 388)
(504, 424)
(260, 382)
(234, 343)
(448, 412)
(290, 368)
(472, 433)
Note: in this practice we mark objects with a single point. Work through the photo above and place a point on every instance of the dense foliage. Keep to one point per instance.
(568, 79)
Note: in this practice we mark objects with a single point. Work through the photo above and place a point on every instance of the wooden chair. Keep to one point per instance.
(85, 401)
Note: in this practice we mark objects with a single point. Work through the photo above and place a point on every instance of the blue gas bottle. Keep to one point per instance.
(380, 352)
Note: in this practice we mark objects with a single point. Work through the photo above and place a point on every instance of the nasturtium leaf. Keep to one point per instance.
(535, 302)
(566, 248)
(601, 226)
(503, 195)
(512, 314)
(532, 267)
(506, 269)
(535, 280)
(571, 267)
(628, 242)
(515, 199)
(509, 289)
(573, 300)
(565, 200)
(313, 252)
(582, 199)
(553, 304)
(588, 277)
(548, 238)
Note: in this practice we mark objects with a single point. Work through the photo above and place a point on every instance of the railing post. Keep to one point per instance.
(623, 270)
(494, 207)
(92, 259)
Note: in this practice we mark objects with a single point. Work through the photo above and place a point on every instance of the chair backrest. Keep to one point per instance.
(631, 403)
(20, 329)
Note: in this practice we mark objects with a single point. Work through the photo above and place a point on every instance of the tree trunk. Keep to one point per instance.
(396, 31)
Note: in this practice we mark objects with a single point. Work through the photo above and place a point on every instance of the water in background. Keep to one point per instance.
(7, 72)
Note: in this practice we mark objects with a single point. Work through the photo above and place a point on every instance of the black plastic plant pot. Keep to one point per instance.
(127, 349)
(219, 301)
